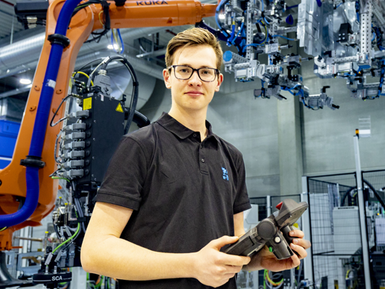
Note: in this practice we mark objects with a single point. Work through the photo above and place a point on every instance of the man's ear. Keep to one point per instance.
(166, 78)
(219, 82)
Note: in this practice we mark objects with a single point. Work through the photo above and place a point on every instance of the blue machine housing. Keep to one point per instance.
(8, 135)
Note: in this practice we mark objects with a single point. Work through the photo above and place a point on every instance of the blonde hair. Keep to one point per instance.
(193, 37)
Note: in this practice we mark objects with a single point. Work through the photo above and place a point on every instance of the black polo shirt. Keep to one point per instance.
(184, 192)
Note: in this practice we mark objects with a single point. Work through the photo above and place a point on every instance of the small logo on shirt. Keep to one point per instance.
(225, 174)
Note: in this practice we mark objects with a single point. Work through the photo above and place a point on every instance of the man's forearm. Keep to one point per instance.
(118, 258)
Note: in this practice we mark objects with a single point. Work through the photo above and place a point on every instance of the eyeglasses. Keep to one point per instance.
(184, 72)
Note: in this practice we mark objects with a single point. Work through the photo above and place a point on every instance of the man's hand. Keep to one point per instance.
(265, 259)
(214, 268)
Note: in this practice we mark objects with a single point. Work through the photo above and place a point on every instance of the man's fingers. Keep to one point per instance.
(296, 233)
(299, 250)
(233, 260)
(228, 259)
(303, 243)
(223, 241)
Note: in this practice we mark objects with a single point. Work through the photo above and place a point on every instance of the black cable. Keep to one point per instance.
(346, 194)
(141, 46)
(84, 5)
(371, 187)
(135, 86)
(140, 119)
(107, 24)
(57, 110)
(375, 193)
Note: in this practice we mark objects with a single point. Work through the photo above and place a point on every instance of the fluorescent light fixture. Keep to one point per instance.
(25, 81)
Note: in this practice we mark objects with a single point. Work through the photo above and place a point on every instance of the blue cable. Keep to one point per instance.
(121, 41)
(230, 39)
(251, 44)
(41, 120)
(217, 20)
(295, 86)
(290, 7)
(283, 37)
(239, 31)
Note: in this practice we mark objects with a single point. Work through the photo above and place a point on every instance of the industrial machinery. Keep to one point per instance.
(71, 146)
(343, 37)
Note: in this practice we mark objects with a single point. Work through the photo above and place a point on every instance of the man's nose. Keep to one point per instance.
(195, 78)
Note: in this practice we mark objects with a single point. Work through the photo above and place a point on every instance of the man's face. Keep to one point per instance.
(193, 94)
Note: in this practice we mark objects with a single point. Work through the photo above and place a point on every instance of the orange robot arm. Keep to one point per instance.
(13, 185)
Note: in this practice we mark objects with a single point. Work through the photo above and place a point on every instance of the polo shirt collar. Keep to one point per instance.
(172, 125)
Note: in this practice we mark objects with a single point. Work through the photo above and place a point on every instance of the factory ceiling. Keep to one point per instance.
(20, 49)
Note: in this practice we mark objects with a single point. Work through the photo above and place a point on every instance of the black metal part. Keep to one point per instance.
(343, 33)
(59, 39)
(120, 2)
(105, 128)
(6, 279)
(269, 232)
(52, 278)
(27, 9)
(32, 161)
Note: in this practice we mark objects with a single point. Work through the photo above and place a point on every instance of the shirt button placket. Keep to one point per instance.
(202, 160)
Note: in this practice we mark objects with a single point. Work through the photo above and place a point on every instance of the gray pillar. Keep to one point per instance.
(290, 145)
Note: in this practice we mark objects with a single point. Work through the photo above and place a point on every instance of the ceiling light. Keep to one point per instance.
(112, 47)
(25, 81)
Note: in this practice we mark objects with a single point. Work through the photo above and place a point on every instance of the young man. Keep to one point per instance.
(175, 192)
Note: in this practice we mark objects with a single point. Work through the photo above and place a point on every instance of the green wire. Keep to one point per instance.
(3, 229)
(60, 178)
(69, 239)
(264, 279)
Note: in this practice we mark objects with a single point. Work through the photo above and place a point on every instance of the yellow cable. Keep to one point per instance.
(264, 26)
(116, 40)
(271, 281)
(347, 274)
(113, 34)
(100, 18)
(85, 74)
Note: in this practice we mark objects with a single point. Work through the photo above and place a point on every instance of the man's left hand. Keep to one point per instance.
(266, 260)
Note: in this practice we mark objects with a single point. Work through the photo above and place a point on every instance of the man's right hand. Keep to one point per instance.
(213, 267)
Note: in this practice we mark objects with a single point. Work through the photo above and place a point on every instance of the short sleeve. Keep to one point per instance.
(242, 201)
(123, 181)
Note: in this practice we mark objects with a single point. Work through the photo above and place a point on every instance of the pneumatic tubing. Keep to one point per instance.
(216, 17)
(41, 121)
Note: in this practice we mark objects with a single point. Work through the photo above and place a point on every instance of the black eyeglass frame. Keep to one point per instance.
(217, 72)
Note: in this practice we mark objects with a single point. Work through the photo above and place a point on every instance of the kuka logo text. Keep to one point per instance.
(152, 2)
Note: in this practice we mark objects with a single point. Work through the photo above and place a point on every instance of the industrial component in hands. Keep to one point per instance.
(272, 231)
